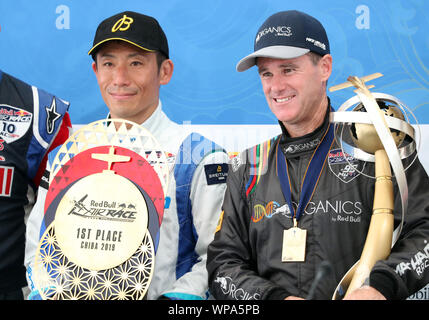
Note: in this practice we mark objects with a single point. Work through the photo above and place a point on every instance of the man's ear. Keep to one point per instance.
(166, 71)
(325, 64)
(94, 67)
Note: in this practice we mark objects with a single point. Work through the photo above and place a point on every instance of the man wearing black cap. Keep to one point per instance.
(139, 41)
(131, 62)
(289, 209)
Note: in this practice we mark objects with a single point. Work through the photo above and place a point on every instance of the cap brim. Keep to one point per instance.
(121, 39)
(275, 52)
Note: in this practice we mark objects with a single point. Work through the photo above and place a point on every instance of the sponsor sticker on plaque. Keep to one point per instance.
(96, 233)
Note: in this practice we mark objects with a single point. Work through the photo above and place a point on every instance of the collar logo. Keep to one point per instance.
(122, 24)
(301, 147)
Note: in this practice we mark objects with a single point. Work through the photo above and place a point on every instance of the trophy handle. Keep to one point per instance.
(376, 139)
(379, 238)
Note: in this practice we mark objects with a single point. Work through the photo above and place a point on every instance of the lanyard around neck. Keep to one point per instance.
(311, 176)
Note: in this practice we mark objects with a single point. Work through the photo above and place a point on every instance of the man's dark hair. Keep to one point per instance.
(315, 57)
(160, 57)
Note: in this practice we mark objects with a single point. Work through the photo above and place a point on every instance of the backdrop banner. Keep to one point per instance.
(46, 44)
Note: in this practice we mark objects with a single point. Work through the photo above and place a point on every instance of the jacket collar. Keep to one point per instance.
(294, 147)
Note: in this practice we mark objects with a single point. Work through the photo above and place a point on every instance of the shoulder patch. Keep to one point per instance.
(14, 123)
(216, 173)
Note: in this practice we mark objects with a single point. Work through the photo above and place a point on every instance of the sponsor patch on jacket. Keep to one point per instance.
(154, 156)
(232, 290)
(14, 123)
(270, 210)
(44, 181)
(344, 166)
(301, 147)
(219, 223)
(51, 116)
(236, 162)
(1, 149)
(216, 173)
(6, 180)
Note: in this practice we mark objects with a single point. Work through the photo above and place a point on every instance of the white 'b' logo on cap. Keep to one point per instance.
(122, 24)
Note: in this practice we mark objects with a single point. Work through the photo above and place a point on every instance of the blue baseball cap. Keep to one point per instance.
(287, 35)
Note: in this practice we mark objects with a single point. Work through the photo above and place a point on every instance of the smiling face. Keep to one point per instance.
(295, 90)
(129, 80)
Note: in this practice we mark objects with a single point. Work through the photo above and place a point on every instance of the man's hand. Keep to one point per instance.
(365, 293)
(293, 298)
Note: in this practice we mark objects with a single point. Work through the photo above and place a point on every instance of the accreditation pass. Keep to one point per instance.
(294, 240)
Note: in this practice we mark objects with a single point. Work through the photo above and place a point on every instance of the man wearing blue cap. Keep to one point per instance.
(288, 208)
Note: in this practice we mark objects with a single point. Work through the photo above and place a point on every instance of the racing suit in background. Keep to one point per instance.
(192, 207)
(32, 122)
(245, 258)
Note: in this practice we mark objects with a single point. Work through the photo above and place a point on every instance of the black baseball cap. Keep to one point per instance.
(287, 35)
(132, 27)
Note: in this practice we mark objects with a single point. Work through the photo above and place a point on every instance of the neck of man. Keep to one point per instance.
(302, 128)
(139, 118)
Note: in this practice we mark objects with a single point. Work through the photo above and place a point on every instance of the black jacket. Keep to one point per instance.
(244, 260)
(30, 120)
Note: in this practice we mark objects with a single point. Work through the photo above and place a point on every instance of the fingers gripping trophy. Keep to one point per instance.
(375, 130)
(103, 211)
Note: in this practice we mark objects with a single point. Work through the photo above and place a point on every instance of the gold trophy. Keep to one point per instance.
(382, 130)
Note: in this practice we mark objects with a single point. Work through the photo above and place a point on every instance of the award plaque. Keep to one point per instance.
(103, 211)
(376, 130)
